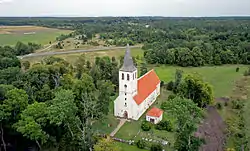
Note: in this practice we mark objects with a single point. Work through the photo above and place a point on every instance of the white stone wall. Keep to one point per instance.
(147, 103)
(156, 119)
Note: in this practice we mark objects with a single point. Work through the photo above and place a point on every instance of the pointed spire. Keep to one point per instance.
(128, 64)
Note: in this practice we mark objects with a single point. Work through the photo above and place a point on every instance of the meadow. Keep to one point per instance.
(222, 78)
(10, 35)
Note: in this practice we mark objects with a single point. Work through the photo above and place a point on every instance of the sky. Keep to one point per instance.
(82, 8)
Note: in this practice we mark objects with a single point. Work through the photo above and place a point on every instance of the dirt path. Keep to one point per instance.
(212, 130)
(122, 122)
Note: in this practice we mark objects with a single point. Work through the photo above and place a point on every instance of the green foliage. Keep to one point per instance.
(187, 115)
(146, 126)
(62, 108)
(237, 104)
(170, 86)
(33, 120)
(247, 72)
(141, 144)
(106, 144)
(219, 106)
(143, 69)
(237, 69)
(156, 147)
(194, 88)
(165, 125)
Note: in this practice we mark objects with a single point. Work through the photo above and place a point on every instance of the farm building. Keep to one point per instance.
(135, 95)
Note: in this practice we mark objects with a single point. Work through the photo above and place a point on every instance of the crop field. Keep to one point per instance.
(10, 35)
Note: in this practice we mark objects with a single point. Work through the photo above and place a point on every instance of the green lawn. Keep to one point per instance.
(222, 78)
(41, 35)
(127, 147)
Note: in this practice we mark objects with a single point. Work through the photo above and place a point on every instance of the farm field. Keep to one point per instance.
(10, 35)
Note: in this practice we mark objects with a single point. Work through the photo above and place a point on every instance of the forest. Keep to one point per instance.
(54, 104)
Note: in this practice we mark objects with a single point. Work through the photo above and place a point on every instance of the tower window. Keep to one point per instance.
(125, 86)
(125, 93)
(128, 77)
(125, 98)
(125, 105)
(123, 76)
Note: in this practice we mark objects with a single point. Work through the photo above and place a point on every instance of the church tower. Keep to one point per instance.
(123, 106)
(128, 75)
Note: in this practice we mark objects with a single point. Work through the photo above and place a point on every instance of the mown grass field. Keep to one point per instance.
(10, 35)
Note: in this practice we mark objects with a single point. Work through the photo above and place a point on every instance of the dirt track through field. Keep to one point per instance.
(212, 130)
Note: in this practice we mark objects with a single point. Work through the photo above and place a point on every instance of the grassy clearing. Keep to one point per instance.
(10, 35)
(126, 147)
(71, 58)
(222, 78)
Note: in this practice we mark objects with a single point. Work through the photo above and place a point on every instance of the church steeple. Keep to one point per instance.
(128, 64)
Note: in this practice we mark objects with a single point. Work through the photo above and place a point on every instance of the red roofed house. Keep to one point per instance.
(135, 95)
(154, 115)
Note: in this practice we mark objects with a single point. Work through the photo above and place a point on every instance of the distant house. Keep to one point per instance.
(135, 95)
(154, 115)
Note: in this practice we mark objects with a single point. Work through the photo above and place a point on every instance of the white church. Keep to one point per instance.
(135, 95)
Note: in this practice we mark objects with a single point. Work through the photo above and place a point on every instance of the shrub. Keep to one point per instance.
(141, 144)
(165, 125)
(247, 72)
(237, 69)
(146, 126)
(162, 83)
(219, 105)
(170, 86)
(156, 147)
(237, 104)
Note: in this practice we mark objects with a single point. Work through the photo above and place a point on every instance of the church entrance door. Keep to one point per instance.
(125, 115)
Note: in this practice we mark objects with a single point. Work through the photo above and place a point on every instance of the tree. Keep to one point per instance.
(105, 91)
(145, 126)
(106, 144)
(156, 147)
(16, 101)
(194, 88)
(26, 65)
(143, 69)
(141, 144)
(188, 115)
(33, 120)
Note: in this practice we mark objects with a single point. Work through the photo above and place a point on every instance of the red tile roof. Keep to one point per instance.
(155, 112)
(146, 85)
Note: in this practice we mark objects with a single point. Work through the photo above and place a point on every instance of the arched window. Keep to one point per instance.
(123, 76)
(125, 104)
(125, 86)
(128, 77)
